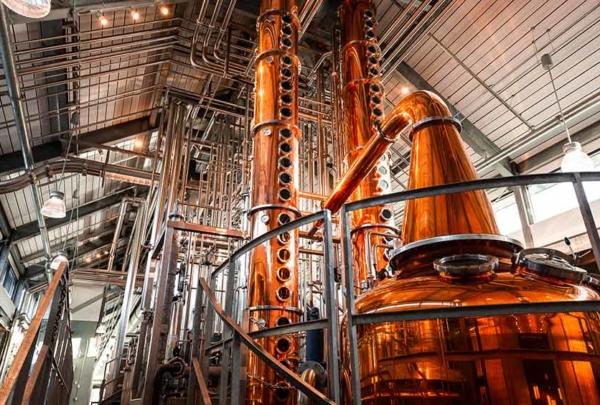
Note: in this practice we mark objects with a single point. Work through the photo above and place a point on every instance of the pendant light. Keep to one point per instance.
(60, 258)
(29, 8)
(574, 159)
(54, 207)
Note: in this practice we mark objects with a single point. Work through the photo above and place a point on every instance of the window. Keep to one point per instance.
(507, 215)
(10, 283)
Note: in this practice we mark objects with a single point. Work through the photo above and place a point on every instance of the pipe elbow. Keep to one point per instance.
(413, 109)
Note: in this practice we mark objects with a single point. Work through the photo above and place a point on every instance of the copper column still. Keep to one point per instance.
(455, 257)
(362, 97)
(273, 282)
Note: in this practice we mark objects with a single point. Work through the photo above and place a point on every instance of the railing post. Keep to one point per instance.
(588, 217)
(227, 332)
(333, 367)
(22, 361)
(209, 323)
(157, 344)
(352, 340)
(236, 360)
(197, 349)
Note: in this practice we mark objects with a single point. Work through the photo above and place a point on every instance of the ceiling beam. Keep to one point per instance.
(476, 139)
(64, 9)
(55, 149)
(80, 240)
(555, 151)
(31, 229)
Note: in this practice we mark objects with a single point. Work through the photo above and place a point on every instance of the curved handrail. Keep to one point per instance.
(511, 181)
(248, 247)
(261, 353)
(28, 343)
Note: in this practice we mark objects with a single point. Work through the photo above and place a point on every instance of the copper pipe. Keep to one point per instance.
(273, 277)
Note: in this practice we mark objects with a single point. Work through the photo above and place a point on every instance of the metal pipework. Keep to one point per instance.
(119, 226)
(273, 278)
(16, 99)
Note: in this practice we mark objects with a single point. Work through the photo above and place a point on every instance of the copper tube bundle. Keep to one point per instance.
(273, 282)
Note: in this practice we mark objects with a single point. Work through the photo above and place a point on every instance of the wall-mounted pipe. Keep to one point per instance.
(12, 83)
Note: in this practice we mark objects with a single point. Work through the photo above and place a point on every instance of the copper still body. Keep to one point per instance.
(362, 97)
(454, 257)
(273, 284)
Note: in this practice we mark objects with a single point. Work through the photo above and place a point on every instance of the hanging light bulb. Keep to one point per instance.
(60, 258)
(164, 10)
(54, 207)
(102, 20)
(29, 8)
(575, 159)
(135, 15)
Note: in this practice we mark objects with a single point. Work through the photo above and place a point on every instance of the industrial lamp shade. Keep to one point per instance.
(54, 207)
(29, 8)
(575, 159)
(60, 258)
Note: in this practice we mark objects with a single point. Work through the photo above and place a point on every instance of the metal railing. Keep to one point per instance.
(354, 319)
(239, 337)
(49, 377)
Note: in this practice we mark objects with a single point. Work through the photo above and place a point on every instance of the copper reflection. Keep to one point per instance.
(438, 157)
(369, 171)
(273, 282)
(551, 358)
(526, 359)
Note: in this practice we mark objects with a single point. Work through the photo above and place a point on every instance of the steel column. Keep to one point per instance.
(333, 367)
(588, 218)
(156, 348)
(349, 283)
(522, 207)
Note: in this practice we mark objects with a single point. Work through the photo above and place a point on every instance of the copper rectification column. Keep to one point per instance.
(362, 95)
(273, 278)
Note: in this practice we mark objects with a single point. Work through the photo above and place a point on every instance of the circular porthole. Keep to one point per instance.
(283, 293)
(286, 30)
(281, 392)
(286, 60)
(285, 147)
(283, 345)
(283, 219)
(285, 162)
(285, 178)
(285, 194)
(283, 255)
(282, 320)
(285, 237)
(386, 214)
(286, 85)
(283, 274)
(286, 99)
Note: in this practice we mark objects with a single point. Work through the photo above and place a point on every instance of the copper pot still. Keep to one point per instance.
(454, 256)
